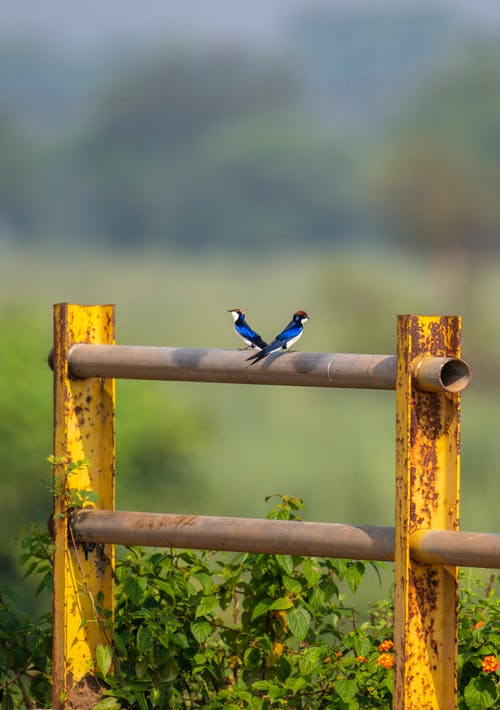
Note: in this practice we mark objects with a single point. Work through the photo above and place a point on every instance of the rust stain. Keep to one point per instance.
(427, 429)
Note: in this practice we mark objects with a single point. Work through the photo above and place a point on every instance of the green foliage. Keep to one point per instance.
(25, 429)
(199, 629)
(446, 194)
(479, 639)
(26, 644)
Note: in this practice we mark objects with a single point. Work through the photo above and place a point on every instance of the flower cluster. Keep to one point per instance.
(489, 664)
(386, 660)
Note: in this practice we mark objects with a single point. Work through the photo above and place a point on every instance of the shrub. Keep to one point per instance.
(217, 630)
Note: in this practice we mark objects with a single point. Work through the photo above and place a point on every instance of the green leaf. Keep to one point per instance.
(346, 689)
(206, 606)
(104, 658)
(145, 640)
(165, 587)
(311, 570)
(362, 645)
(108, 704)
(296, 684)
(134, 588)
(480, 693)
(309, 660)
(170, 670)
(205, 581)
(262, 684)
(298, 621)
(141, 701)
(286, 563)
(201, 630)
(292, 586)
(261, 608)
(155, 696)
(354, 574)
(281, 603)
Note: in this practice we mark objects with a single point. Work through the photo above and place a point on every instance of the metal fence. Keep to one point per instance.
(427, 374)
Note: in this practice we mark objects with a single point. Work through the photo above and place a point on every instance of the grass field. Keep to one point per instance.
(334, 448)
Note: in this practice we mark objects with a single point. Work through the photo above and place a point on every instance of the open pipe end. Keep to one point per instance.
(442, 374)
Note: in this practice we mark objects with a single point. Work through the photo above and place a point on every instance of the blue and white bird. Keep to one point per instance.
(285, 339)
(243, 330)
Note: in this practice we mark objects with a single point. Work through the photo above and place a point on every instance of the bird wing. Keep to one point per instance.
(246, 332)
(292, 330)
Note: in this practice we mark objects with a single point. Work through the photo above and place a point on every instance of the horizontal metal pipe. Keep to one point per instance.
(283, 537)
(447, 547)
(358, 542)
(435, 374)
(282, 368)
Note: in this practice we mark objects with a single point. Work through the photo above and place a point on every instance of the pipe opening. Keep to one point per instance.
(455, 375)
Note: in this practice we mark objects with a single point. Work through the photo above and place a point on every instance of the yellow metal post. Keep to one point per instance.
(83, 432)
(427, 496)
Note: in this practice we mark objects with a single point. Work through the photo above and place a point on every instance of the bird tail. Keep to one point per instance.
(255, 357)
(258, 342)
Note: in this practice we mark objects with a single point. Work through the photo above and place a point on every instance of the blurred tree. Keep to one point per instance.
(145, 127)
(265, 182)
(201, 150)
(359, 59)
(20, 179)
(442, 182)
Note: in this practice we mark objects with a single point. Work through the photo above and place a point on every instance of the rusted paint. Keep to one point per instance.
(427, 462)
(83, 429)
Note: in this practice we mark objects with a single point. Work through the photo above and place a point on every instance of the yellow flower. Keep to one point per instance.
(277, 649)
(385, 645)
(489, 664)
(386, 660)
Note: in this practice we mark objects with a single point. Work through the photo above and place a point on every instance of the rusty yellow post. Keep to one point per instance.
(427, 496)
(83, 432)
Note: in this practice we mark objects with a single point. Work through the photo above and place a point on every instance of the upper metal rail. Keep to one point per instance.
(431, 374)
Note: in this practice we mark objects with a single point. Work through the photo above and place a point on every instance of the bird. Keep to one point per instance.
(285, 339)
(243, 330)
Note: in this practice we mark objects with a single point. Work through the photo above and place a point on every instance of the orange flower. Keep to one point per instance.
(386, 660)
(489, 664)
(339, 654)
(478, 625)
(361, 659)
(385, 645)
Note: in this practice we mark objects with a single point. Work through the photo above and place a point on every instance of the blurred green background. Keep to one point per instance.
(180, 159)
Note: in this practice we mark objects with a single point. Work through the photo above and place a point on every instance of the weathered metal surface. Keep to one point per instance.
(284, 368)
(359, 542)
(236, 534)
(83, 430)
(467, 549)
(427, 474)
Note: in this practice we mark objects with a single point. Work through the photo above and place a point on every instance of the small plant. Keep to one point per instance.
(74, 498)
(479, 645)
(26, 645)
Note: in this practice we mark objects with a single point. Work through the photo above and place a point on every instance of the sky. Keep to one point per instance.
(97, 21)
